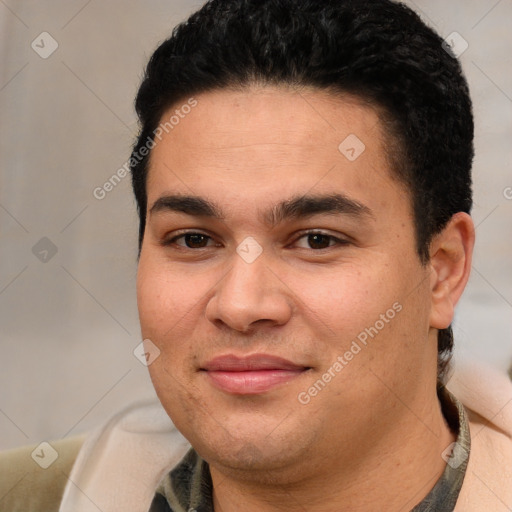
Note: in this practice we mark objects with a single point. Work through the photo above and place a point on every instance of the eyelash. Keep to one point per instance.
(340, 241)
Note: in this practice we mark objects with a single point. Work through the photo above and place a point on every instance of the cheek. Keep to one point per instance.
(166, 302)
(164, 297)
(346, 298)
(372, 311)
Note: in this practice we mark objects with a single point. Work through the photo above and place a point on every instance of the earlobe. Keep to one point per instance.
(450, 261)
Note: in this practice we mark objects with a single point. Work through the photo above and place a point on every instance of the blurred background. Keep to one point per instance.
(69, 71)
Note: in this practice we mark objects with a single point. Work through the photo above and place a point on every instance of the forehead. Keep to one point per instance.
(265, 143)
(304, 118)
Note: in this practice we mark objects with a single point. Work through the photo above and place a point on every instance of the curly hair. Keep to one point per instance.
(378, 50)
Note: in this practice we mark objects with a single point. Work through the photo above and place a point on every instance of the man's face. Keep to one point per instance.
(287, 335)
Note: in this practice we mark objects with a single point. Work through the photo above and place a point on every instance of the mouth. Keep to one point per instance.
(251, 375)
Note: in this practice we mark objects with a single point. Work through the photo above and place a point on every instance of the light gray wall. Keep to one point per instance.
(69, 324)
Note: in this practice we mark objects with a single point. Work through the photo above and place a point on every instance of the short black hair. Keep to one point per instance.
(377, 50)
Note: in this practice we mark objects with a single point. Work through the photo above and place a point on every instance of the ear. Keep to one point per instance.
(451, 253)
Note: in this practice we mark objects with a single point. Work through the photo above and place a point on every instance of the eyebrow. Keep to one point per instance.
(297, 207)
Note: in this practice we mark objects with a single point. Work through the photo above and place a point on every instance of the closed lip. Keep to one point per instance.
(253, 374)
(253, 362)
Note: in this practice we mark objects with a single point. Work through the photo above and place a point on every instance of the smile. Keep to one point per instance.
(250, 375)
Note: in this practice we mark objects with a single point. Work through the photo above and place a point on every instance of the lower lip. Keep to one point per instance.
(251, 382)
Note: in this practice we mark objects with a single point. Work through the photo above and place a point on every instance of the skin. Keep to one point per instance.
(372, 438)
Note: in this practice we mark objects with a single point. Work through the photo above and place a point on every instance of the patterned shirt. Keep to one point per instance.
(188, 487)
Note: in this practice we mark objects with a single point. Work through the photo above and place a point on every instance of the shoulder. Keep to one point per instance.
(488, 481)
(486, 394)
(33, 478)
(121, 463)
(117, 465)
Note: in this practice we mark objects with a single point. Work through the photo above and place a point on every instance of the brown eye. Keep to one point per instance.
(195, 240)
(192, 240)
(319, 240)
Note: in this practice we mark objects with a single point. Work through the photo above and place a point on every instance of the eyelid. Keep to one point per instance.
(341, 240)
(181, 233)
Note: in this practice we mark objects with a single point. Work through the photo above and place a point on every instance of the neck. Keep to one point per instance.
(396, 474)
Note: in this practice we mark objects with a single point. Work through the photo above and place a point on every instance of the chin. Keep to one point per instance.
(258, 449)
(248, 457)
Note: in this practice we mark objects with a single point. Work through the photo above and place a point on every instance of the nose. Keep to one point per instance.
(250, 293)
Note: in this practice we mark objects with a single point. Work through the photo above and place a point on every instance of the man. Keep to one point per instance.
(303, 181)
